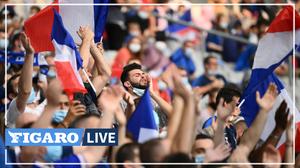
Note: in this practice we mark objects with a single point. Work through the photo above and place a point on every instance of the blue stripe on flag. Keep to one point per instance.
(100, 15)
(174, 27)
(63, 37)
(250, 108)
(142, 117)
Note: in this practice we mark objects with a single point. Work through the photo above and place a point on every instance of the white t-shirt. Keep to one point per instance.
(12, 113)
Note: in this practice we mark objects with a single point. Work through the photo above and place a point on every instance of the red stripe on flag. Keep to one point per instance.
(39, 27)
(68, 78)
(297, 142)
(284, 21)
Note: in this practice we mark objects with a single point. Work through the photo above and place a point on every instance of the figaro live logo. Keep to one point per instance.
(62, 137)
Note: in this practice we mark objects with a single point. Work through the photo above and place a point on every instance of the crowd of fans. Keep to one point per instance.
(192, 79)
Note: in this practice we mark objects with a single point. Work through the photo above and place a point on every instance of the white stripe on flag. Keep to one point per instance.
(271, 46)
(75, 16)
(64, 53)
(147, 134)
(270, 123)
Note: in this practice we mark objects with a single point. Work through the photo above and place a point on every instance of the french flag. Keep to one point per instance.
(181, 31)
(142, 124)
(274, 48)
(39, 27)
(67, 58)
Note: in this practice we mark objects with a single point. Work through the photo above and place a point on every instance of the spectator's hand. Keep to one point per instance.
(85, 33)
(149, 79)
(180, 89)
(271, 155)
(42, 85)
(52, 93)
(221, 152)
(239, 155)
(120, 116)
(26, 43)
(76, 109)
(289, 130)
(129, 100)
(100, 48)
(217, 84)
(222, 111)
(267, 101)
(110, 98)
(281, 117)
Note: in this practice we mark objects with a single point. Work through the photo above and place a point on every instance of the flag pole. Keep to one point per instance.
(90, 82)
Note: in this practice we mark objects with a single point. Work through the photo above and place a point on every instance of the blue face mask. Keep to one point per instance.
(59, 116)
(51, 74)
(138, 92)
(199, 158)
(53, 153)
(31, 96)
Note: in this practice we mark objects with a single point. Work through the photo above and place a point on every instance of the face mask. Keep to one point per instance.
(162, 85)
(253, 38)
(189, 51)
(135, 47)
(151, 40)
(2, 43)
(8, 21)
(59, 116)
(135, 33)
(143, 14)
(54, 153)
(212, 72)
(51, 74)
(224, 25)
(186, 83)
(31, 96)
(138, 92)
(199, 158)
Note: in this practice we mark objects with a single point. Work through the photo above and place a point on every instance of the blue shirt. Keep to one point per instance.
(203, 80)
(183, 61)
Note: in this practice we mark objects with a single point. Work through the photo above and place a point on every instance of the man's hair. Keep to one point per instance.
(127, 69)
(82, 118)
(207, 59)
(10, 87)
(126, 152)
(178, 158)
(203, 136)
(149, 150)
(227, 93)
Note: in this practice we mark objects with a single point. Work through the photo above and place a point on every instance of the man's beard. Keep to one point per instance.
(139, 86)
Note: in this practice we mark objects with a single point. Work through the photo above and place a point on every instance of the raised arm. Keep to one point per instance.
(252, 135)
(165, 106)
(281, 118)
(25, 82)
(28, 153)
(288, 158)
(110, 102)
(84, 48)
(223, 114)
(185, 135)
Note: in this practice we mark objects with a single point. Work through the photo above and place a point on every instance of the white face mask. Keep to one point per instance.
(212, 72)
(143, 14)
(189, 51)
(135, 33)
(186, 82)
(253, 38)
(138, 92)
(135, 47)
(199, 158)
(224, 25)
(2, 43)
